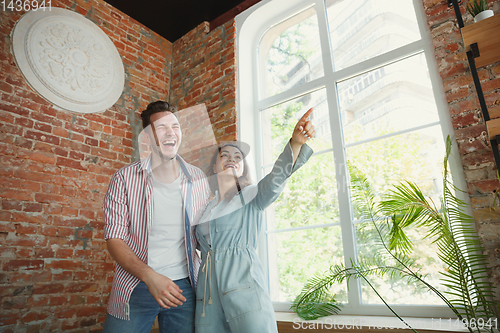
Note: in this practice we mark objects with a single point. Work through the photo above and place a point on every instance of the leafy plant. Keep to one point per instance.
(470, 295)
(475, 7)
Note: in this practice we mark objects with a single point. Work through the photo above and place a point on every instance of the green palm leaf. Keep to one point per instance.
(470, 295)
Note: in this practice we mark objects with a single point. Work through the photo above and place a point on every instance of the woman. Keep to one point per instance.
(231, 294)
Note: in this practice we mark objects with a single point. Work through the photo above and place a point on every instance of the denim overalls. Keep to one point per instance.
(232, 293)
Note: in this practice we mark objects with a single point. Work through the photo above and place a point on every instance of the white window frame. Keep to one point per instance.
(251, 26)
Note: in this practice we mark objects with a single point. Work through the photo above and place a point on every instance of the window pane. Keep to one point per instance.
(416, 157)
(363, 29)
(310, 196)
(397, 290)
(279, 121)
(387, 100)
(290, 54)
(294, 257)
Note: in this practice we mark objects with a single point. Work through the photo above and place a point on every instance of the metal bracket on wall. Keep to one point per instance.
(458, 14)
(475, 50)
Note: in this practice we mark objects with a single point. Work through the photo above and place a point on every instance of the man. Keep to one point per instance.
(149, 209)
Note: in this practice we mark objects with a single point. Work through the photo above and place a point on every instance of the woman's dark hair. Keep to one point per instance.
(155, 107)
(242, 181)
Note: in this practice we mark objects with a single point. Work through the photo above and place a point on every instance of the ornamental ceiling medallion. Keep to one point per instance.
(68, 60)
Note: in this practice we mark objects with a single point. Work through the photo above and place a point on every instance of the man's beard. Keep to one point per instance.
(157, 150)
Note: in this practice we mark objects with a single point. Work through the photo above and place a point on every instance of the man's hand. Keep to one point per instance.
(164, 290)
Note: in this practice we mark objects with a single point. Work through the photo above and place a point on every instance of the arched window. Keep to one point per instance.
(368, 69)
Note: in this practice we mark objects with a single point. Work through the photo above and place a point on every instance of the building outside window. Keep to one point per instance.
(367, 67)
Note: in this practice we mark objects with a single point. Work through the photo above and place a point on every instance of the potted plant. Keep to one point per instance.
(469, 295)
(479, 9)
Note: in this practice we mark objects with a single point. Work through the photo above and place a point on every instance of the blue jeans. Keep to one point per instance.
(144, 309)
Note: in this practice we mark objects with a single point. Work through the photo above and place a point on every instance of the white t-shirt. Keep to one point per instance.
(166, 248)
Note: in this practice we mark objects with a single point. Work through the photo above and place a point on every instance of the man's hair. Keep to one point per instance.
(155, 107)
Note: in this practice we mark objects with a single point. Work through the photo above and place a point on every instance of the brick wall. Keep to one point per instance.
(470, 129)
(55, 165)
(204, 71)
(55, 168)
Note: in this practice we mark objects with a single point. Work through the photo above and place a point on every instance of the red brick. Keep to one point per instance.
(84, 234)
(28, 317)
(20, 278)
(33, 207)
(64, 312)
(490, 85)
(46, 119)
(103, 153)
(25, 241)
(63, 276)
(81, 276)
(463, 106)
(492, 98)
(87, 213)
(460, 94)
(16, 195)
(6, 149)
(44, 253)
(29, 185)
(14, 303)
(91, 142)
(77, 300)
(50, 198)
(58, 300)
(77, 223)
(9, 318)
(37, 301)
(64, 253)
(49, 231)
(24, 122)
(465, 119)
(82, 287)
(65, 232)
(60, 132)
(9, 182)
(76, 146)
(453, 71)
(5, 87)
(27, 217)
(28, 230)
(42, 137)
(90, 311)
(63, 264)
(7, 227)
(11, 129)
(42, 127)
(485, 186)
(79, 129)
(61, 161)
(37, 156)
(14, 265)
(11, 205)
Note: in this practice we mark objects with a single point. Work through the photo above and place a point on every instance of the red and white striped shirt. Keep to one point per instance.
(128, 215)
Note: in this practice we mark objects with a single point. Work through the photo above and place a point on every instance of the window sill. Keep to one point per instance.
(290, 322)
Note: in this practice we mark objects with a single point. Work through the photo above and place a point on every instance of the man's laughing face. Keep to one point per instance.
(167, 134)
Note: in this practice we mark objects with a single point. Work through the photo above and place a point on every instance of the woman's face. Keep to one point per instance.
(229, 162)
